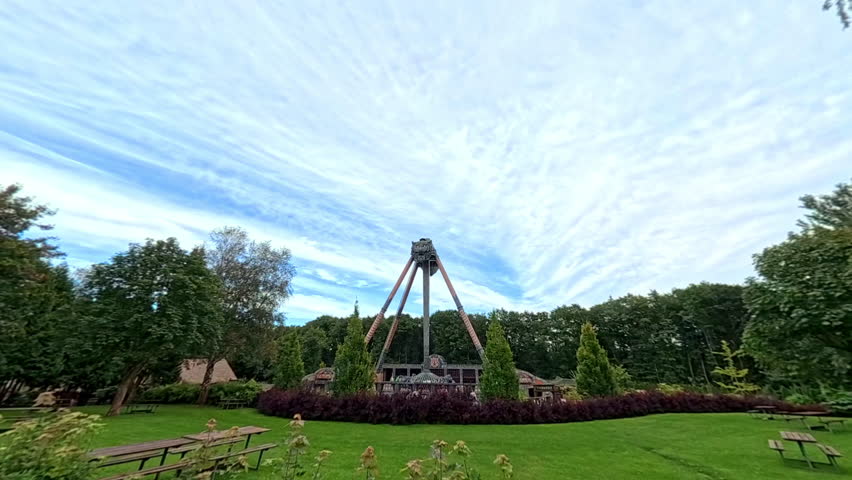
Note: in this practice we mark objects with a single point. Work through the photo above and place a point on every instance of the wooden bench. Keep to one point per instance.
(182, 451)
(777, 446)
(830, 453)
(135, 457)
(140, 407)
(260, 448)
(829, 421)
(230, 403)
(149, 471)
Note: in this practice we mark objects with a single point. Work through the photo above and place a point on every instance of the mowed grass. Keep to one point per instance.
(672, 446)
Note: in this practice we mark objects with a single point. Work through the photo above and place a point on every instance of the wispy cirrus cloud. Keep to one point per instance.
(555, 152)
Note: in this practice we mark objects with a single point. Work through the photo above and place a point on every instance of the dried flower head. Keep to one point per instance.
(414, 469)
(297, 422)
(369, 463)
(299, 443)
(211, 424)
(323, 455)
(461, 448)
(505, 465)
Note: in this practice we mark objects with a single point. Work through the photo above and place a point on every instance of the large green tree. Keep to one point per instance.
(499, 377)
(353, 364)
(801, 302)
(255, 280)
(594, 372)
(153, 302)
(289, 367)
(35, 297)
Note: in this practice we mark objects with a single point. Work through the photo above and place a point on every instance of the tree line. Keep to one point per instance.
(133, 318)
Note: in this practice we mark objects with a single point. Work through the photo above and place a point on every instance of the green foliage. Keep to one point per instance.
(314, 345)
(35, 297)
(839, 401)
(51, 447)
(255, 280)
(594, 373)
(499, 378)
(290, 369)
(735, 377)
(670, 389)
(353, 365)
(290, 466)
(246, 391)
(623, 380)
(202, 463)
(801, 323)
(172, 393)
(153, 303)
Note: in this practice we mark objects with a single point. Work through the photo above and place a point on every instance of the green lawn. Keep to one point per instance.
(674, 446)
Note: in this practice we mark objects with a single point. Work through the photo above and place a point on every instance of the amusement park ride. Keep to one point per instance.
(434, 372)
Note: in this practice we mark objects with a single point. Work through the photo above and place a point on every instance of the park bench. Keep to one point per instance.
(182, 451)
(830, 453)
(230, 403)
(149, 471)
(140, 407)
(137, 452)
(777, 446)
(218, 459)
(827, 422)
(260, 448)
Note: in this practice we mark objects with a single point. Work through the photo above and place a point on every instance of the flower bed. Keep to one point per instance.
(453, 408)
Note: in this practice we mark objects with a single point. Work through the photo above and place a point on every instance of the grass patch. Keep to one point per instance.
(670, 446)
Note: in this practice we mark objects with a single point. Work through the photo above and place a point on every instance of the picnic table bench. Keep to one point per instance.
(246, 431)
(767, 410)
(145, 451)
(13, 415)
(801, 439)
(822, 419)
(230, 403)
(140, 407)
(141, 452)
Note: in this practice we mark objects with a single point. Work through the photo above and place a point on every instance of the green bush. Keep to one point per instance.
(623, 380)
(51, 447)
(239, 390)
(839, 401)
(172, 393)
(670, 388)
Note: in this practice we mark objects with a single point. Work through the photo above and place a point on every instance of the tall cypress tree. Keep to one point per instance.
(594, 374)
(290, 368)
(353, 365)
(499, 378)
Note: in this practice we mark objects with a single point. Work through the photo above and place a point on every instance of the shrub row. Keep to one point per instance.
(456, 408)
(188, 393)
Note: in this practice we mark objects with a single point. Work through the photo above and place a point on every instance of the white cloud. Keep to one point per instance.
(555, 153)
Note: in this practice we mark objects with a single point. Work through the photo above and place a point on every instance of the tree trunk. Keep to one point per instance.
(134, 387)
(123, 389)
(205, 384)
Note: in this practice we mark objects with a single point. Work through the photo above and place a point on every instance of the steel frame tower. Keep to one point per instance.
(425, 257)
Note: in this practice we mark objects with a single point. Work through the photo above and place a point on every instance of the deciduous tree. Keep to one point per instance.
(151, 302)
(255, 280)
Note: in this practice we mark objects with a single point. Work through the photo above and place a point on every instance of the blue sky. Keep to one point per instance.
(556, 152)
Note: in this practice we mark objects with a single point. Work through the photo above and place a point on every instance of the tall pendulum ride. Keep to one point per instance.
(434, 369)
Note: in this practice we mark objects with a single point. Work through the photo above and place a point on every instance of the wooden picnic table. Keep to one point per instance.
(143, 447)
(247, 432)
(767, 410)
(810, 413)
(801, 439)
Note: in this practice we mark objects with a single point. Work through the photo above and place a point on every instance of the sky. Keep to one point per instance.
(556, 152)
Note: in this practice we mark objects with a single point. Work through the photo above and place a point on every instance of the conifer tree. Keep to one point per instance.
(290, 368)
(499, 377)
(594, 373)
(353, 365)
